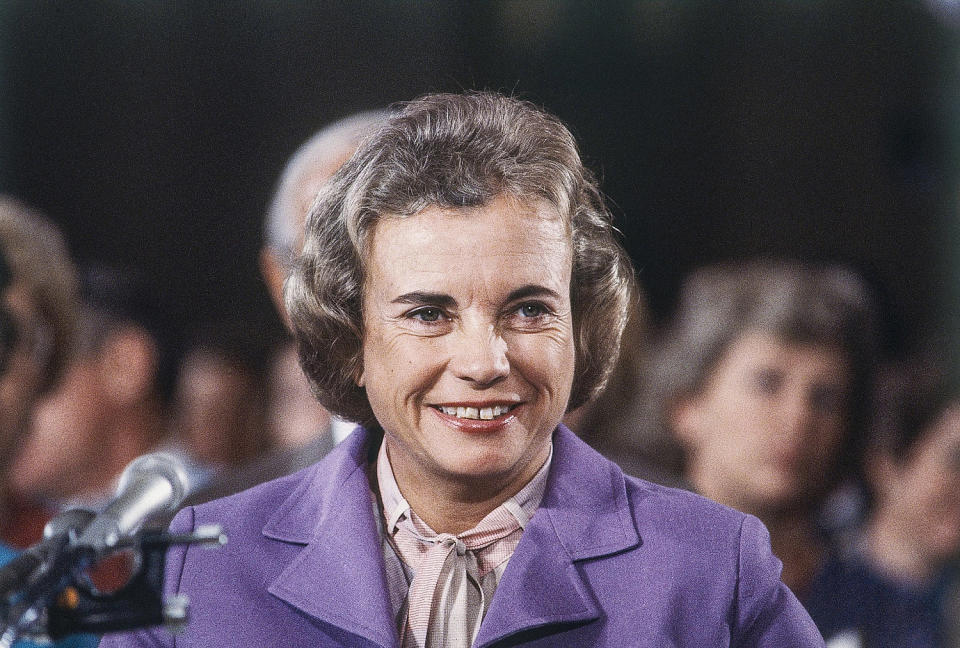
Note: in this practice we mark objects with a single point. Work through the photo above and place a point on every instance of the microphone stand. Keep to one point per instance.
(57, 599)
(27, 603)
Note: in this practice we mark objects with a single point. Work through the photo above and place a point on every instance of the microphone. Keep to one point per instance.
(150, 485)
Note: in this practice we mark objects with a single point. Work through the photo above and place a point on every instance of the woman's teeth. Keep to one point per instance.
(483, 413)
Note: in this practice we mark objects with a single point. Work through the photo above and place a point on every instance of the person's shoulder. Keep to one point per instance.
(266, 494)
(267, 468)
(658, 511)
(678, 512)
(309, 487)
(677, 503)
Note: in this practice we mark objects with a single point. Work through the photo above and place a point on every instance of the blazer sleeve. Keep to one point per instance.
(766, 612)
(176, 556)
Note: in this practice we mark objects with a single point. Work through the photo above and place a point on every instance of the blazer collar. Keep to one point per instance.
(339, 576)
(585, 514)
(586, 500)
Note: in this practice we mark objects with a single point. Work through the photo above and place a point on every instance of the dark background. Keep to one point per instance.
(153, 131)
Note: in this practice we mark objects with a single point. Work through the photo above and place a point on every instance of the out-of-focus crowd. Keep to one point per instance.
(765, 391)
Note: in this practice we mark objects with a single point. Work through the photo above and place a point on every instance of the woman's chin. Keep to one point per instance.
(485, 467)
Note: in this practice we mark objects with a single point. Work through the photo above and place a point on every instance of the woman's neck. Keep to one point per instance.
(451, 504)
(447, 515)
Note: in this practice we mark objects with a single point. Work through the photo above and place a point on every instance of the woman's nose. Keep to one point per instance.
(797, 414)
(480, 356)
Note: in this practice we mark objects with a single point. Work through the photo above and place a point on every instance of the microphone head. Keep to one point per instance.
(70, 520)
(161, 464)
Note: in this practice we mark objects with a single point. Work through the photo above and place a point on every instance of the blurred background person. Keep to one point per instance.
(37, 322)
(613, 423)
(218, 413)
(110, 406)
(892, 585)
(300, 430)
(763, 378)
(305, 173)
(294, 417)
(308, 169)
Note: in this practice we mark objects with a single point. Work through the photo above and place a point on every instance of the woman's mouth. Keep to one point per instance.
(487, 413)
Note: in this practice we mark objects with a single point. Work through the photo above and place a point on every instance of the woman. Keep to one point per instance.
(460, 289)
(763, 378)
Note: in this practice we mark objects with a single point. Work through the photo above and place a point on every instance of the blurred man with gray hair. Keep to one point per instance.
(306, 171)
(300, 427)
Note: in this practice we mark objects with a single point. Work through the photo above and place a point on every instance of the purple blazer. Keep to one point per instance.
(607, 560)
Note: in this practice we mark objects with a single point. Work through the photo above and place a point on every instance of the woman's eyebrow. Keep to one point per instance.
(443, 300)
(419, 297)
(532, 290)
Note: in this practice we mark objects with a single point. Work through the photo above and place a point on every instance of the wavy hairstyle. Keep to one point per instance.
(452, 151)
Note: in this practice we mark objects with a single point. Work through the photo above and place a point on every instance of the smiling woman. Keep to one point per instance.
(460, 289)
(466, 311)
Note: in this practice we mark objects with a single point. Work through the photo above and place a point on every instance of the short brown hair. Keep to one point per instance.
(452, 151)
(37, 255)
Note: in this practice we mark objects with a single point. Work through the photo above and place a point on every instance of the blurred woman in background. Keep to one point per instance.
(763, 378)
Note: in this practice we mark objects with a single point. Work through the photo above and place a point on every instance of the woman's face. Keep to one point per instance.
(468, 354)
(763, 432)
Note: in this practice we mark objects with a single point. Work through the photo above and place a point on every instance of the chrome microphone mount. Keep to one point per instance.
(58, 598)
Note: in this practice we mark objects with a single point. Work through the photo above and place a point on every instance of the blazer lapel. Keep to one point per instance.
(338, 578)
(584, 515)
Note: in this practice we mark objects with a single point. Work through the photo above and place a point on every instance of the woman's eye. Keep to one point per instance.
(532, 310)
(768, 381)
(427, 314)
